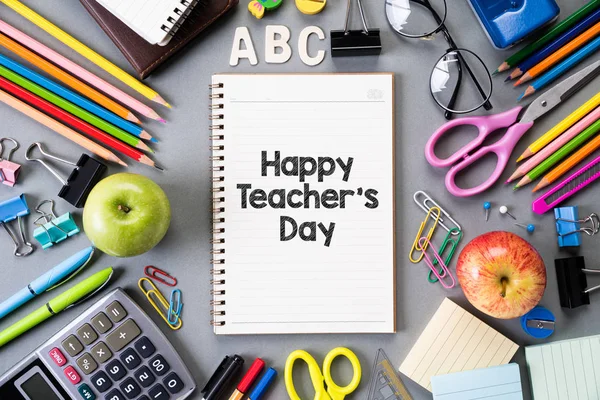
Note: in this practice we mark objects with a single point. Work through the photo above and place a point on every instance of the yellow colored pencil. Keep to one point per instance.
(85, 51)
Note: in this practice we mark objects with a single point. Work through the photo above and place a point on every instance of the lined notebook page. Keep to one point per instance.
(565, 370)
(494, 383)
(296, 285)
(454, 340)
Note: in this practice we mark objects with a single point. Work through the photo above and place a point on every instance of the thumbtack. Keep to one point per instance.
(504, 210)
(530, 227)
(487, 206)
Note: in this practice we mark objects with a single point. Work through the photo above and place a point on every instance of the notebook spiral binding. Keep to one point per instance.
(178, 17)
(218, 240)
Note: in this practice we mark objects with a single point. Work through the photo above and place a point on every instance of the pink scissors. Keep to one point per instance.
(517, 124)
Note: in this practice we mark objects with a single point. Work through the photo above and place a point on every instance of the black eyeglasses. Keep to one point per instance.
(418, 19)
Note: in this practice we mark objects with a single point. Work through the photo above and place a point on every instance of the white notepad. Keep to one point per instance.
(565, 370)
(267, 281)
(454, 340)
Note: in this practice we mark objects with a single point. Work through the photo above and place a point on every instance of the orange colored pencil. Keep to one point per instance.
(560, 54)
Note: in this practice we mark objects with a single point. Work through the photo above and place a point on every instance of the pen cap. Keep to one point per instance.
(224, 373)
(263, 385)
(61, 271)
(253, 372)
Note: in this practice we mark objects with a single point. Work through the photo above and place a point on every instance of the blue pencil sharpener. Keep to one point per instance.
(507, 22)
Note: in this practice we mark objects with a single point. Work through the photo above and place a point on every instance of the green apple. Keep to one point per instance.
(126, 215)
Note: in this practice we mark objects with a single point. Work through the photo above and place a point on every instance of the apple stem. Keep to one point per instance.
(125, 209)
(504, 282)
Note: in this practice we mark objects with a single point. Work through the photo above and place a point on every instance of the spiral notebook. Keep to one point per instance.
(303, 193)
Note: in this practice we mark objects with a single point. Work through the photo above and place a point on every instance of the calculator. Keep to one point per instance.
(112, 351)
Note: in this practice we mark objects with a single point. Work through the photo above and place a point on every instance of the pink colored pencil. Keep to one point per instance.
(556, 144)
(76, 70)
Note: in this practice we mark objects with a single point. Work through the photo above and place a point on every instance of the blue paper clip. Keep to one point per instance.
(11, 209)
(175, 306)
(52, 229)
(568, 226)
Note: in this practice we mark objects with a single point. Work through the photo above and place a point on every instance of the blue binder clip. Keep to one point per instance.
(568, 226)
(52, 229)
(11, 209)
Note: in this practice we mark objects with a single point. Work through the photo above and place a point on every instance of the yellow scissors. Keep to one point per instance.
(325, 387)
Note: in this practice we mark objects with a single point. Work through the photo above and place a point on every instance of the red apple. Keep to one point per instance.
(501, 274)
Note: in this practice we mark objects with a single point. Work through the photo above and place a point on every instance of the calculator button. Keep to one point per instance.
(130, 388)
(173, 383)
(57, 356)
(86, 392)
(123, 335)
(102, 323)
(116, 312)
(145, 347)
(72, 375)
(130, 359)
(159, 365)
(144, 376)
(72, 346)
(101, 353)
(158, 392)
(101, 381)
(144, 397)
(116, 370)
(87, 334)
(115, 395)
(87, 364)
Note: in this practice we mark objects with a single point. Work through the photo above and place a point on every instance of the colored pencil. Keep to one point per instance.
(560, 54)
(559, 155)
(73, 109)
(84, 50)
(83, 74)
(574, 33)
(59, 128)
(565, 124)
(549, 36)
(569, 163)
(66, 118)
(561, 68)
(75, 98)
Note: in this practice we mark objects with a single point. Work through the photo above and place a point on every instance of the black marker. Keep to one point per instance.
(218, 382)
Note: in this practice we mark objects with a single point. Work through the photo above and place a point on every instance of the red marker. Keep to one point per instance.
(248, 379)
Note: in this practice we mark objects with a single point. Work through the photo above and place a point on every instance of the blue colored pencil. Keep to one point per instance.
(75, 98)
(561, 68)
(555, 45)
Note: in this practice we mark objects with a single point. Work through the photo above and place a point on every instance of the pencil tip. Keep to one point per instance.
(123, 164)
(154, 140)
(158, 167)
(164, 121)
(508, 78)
(516, 187)
(520, 158)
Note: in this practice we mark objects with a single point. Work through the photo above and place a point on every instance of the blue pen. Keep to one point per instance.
(262, 386)
(51, 279)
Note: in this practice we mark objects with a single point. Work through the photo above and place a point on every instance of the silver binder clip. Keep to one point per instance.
(427, 203)
(591, 230)
(15, 209)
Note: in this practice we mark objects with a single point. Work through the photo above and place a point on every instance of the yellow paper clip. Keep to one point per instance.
(434, 213)
(153, 295)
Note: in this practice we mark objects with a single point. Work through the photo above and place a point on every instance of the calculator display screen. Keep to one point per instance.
(37, 388)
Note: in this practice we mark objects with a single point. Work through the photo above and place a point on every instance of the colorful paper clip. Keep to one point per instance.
(424, 243)
(416, 246)
(568, 226)
(428, 203)
(11, 209)
(160, 276)
(81, 181)
(52, 229)
(155, 297)
(9, 171)
(175, 306)
(452, 238)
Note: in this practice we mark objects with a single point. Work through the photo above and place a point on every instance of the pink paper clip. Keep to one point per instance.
(424, 243)
(9, 171)
(159, 275)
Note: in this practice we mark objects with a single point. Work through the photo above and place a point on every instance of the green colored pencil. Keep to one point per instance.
(74, 109)
(559, 154)
(528, 50)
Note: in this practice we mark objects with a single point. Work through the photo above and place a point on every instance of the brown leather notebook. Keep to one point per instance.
(145, 57)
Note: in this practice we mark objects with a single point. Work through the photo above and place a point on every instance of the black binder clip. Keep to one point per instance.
(572, 283)
(347, 43)
(80, 182)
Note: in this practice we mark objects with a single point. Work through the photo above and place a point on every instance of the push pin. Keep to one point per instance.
(80, 182)
(530, 227)
(365, 42)
(258, 7)
(538, 323)
(52, 229)
(9, 171)
(11, 209)
(487, 206)
(504, 211)
(572, 282)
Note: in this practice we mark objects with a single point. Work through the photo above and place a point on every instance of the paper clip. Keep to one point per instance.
(416, 246)
(160, 276)
(81, 181)
(52, 229)
(153, 295)
(453, 241)
(11, 209)
(9, 171)
(424, 242)
(428, 203)
(175, 306)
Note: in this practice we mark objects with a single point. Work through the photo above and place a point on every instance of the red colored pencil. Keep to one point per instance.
(76, 123)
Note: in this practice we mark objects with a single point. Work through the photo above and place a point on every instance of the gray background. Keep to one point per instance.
(183, 151)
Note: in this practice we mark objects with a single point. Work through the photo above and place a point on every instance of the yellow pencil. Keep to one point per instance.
(560, 128)
(85, 51)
